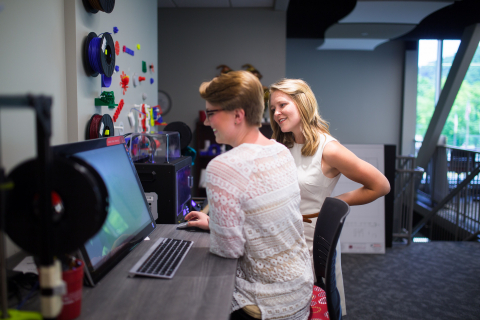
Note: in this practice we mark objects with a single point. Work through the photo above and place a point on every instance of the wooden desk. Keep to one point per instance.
(202, 287)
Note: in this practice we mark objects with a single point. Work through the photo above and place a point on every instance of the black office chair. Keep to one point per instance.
(327, 232)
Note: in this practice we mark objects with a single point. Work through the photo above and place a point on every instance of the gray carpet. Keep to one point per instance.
(435, 280)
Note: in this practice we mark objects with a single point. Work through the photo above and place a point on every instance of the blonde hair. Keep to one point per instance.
(312, 124)
(236, 90)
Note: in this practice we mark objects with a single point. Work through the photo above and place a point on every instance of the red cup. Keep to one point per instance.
(72, 300)
(202, 115)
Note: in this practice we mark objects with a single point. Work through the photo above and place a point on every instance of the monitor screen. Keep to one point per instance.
(129, 219)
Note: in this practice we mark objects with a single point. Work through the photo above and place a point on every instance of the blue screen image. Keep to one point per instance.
(128, 212)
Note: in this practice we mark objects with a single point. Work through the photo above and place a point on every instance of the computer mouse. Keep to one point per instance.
(195, 229)
(184, 226)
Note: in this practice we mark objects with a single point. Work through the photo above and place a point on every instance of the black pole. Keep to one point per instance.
(3, 273)
(42, 106)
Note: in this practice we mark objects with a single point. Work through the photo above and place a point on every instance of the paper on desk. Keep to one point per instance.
(27, 265)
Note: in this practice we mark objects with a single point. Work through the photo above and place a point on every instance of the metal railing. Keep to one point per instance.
(448, 195)
(405, 178)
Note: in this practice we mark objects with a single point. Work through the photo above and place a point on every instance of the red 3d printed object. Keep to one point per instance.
(124, 82)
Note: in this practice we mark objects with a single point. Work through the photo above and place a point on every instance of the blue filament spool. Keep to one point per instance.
(99, 55)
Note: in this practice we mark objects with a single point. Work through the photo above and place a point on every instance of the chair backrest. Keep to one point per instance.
(327, 232)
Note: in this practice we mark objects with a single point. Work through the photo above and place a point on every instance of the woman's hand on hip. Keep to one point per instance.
(374, 183)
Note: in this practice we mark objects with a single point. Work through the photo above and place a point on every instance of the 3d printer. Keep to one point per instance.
(165, 174)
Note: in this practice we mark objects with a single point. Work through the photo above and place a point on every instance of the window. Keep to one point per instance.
(462, 128)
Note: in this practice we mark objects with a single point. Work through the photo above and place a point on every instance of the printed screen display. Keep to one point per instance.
(128, 213)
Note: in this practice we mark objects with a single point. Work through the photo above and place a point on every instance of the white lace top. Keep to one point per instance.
(254, 201)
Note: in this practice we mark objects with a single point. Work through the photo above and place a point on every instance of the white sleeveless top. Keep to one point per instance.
(314, 185)
(314, 188)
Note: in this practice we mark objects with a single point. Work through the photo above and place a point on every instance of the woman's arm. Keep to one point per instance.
(338, 159)
(226, 218)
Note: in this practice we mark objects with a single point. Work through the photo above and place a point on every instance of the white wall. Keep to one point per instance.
(359, 92)
(40, 53)
(193, 42)
(32, 60)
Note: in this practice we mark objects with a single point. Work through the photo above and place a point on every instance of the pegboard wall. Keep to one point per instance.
(132, 24)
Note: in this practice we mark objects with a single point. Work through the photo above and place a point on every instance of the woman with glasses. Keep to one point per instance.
(254, 199)
(319, 158)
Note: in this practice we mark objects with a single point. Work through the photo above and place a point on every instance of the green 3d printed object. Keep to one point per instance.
(107, 98)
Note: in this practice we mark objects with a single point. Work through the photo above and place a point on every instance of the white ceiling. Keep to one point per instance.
(393, 11)
(370, 24)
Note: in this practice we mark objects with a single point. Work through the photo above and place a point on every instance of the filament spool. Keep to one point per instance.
(93, 6)
(99, 127)
(99, 55)
(106, 127)
(79, 213)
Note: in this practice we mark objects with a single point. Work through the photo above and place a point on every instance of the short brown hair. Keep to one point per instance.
(312, 123)
(236, 90)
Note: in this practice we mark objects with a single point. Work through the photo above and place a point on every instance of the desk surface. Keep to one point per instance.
(202, 287)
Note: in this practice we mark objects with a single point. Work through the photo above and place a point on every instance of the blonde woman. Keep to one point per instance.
(320, 159)
(254, 200)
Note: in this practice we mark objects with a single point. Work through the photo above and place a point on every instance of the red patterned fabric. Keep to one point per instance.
(318, 307)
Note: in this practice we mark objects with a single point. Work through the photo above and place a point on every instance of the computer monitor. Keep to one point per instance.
(129, 219)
